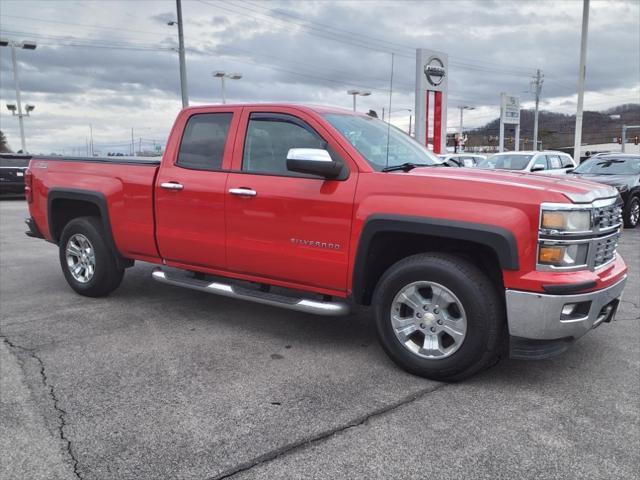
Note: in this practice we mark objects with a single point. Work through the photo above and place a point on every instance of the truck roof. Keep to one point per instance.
(299, 106)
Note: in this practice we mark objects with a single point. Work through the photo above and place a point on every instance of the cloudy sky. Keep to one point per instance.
(113, 65)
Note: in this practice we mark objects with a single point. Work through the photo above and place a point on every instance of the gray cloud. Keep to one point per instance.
(493, 47)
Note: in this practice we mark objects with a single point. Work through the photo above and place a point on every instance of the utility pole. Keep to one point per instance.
(133, 147)
(582, 73)
(537, 85)
(183, 66)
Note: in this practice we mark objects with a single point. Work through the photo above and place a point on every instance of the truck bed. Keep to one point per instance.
(124, 186)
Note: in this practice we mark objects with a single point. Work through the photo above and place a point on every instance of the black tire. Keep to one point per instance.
(107, 276)
(628, 212)
(486, 330)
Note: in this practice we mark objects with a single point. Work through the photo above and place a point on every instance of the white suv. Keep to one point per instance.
(462, 159)
(548, 162)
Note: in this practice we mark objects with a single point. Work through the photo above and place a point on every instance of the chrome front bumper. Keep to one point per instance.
(538, 316)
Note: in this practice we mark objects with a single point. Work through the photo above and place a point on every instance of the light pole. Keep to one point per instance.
(362, 93)
(26, 45)
(183, 65)
(222, 76)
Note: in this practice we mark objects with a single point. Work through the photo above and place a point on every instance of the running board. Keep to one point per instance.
(299, 304)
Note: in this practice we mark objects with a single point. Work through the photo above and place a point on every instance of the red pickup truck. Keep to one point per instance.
(316, 209)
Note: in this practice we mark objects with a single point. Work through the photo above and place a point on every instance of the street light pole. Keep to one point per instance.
(363, 93)
(581, 77)
(16, 80)
(222, 76)
(183, 65)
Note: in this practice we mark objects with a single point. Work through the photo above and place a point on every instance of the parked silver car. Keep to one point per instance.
(548, 162)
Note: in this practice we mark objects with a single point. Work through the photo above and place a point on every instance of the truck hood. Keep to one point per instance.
(613, 180)
(576, 190)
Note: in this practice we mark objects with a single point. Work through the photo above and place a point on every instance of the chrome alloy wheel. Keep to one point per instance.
(634, 214)
(81, 258)
(428, 320)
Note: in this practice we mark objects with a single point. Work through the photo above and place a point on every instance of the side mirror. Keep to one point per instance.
(537, 168)
(314, 161)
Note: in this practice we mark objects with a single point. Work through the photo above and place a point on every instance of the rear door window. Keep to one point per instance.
(554, 161)
(203, 141)
(566, 161)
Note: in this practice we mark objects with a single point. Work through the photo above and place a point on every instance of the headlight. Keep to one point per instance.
(573, 255)
(566, 220)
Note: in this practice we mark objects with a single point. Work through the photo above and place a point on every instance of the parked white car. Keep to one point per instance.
(462, 159)
(547, 162)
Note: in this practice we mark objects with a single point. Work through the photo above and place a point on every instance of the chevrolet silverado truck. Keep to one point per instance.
(317, 209)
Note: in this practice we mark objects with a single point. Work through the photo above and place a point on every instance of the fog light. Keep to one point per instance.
(568, 309)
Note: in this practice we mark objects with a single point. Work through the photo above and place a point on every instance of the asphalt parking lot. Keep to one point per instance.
(158, 382)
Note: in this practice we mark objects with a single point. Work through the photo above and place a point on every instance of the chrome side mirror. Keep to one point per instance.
(314, 161)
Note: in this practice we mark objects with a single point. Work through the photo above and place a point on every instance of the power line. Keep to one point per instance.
(70, 41)
(374, 45)
(329, 28)
(85, 25)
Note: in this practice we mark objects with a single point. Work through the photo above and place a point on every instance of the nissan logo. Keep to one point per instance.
(434, 71)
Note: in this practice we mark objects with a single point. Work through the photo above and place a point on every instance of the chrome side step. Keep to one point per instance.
(300, 304)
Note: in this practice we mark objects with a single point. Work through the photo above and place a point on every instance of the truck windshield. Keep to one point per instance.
(506, 162)
(380, 145)
(610, 166)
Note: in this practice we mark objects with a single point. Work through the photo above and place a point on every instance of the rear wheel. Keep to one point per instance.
(88, 264)
(439, 316)
(631, 212)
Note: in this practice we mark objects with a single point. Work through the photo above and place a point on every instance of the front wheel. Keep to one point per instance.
(439, 316)
(631, 212)
(89, 265)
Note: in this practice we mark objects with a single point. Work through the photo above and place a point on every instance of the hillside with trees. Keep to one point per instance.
(556, 130)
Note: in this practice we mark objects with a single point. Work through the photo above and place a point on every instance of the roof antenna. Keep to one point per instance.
(389, 116)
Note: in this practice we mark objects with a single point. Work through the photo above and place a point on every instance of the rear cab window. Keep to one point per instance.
(203, 141)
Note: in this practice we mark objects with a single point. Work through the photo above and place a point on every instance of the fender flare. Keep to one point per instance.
(498, 239)
(88, 196)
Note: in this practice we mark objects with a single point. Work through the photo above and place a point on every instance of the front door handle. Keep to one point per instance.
(244, 192)
(172, 186)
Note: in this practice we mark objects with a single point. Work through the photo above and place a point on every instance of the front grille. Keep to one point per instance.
(605, 218)
(605, 250)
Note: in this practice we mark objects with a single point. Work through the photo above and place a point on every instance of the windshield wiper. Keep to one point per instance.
(409, 166)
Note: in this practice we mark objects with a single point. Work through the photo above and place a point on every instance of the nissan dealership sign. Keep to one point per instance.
(432, 74)
(435, 71)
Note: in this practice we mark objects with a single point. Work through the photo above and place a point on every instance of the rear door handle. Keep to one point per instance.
(244, 192)
(172, 186)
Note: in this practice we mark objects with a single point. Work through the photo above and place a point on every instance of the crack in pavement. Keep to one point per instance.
(325, 435)
(56, 404)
